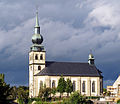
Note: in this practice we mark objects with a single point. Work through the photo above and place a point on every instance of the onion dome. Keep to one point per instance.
(91, 59)
(91, 56)
(37, 37)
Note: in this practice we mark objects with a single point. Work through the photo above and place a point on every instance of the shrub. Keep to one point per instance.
(44, 93)
(76, 98)
(118, 101)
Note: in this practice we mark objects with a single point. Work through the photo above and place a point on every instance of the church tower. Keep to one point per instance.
(36, 57)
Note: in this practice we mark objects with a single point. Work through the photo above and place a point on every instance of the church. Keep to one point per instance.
(86, 78)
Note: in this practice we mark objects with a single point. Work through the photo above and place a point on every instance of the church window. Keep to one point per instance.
(53, 84)
(101, 87)
(41, 85)
(41, 57)
(36, 57)
(93, 86)
(83, 86)
(74, 85)
(39, 67)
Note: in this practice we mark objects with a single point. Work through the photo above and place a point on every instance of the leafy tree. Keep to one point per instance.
(118, 101)
(104, 91)
(4, 92)
(13, 93)
(22, 94)
(61, 86)
(53, 91)
(44, 93)
(108, 93)
(76, 98)
(69, 86)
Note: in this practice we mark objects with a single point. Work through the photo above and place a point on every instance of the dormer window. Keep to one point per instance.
(41, 57)
(36, 57)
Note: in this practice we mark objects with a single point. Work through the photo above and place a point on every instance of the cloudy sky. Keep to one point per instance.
(71, 28)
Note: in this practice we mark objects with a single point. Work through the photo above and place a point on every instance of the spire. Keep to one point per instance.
(37, 21)
(37, 27)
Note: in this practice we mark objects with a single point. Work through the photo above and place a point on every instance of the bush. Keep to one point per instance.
(44, 93)
(66, 101)
(118, 101)
(76, 98)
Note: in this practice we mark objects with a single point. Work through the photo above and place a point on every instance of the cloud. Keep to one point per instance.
(70, 29)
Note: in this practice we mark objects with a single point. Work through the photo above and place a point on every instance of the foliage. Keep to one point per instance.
(53, 91)
(66, 101)
(108, 93)
(76, 98)
(104, 91)
(69, 86)
(22, 94)
(4, 92)
(13, 93)
(118, 101)
(61, 86)
(44, 93)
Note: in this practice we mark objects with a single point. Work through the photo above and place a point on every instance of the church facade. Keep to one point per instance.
(86, 78)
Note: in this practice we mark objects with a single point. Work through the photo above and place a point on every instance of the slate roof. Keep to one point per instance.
(69, 69)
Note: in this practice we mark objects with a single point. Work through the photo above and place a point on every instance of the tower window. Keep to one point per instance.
(41, 57)
(39, 67)
(53, 84)
(74, 85)
(83, 86)
(36, 57)
(93, 86)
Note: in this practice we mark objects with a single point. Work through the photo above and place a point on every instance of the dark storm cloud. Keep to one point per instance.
(70, 29)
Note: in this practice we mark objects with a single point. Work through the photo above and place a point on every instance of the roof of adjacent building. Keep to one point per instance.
(69, 69)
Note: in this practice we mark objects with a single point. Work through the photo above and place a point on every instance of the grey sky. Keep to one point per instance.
(70, 29)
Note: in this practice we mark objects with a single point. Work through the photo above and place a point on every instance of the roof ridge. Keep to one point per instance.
(67, 62)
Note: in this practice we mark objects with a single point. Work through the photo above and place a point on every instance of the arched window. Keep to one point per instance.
(53, 84)
(41, 85)
(93, 86)
(41, 57)
(83, 86)
(101, 87)
(39, 67)
(74, 85)
(36, 57)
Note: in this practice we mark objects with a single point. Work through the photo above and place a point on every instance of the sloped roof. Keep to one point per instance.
(69, 69)
(117, 82)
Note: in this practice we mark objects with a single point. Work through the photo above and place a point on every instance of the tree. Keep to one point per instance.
(69, 86)
(108, 93)
(76, 98)
(44, 93)
(104, 91)
(22, 94)
(4, 92)
(61, 85)
(13, 93)
(53, 91)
